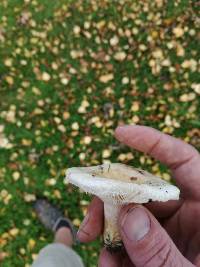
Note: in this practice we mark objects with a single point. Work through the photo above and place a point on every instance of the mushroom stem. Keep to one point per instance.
(112, 239)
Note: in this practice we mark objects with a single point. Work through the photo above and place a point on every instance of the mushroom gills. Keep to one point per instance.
(116, 185)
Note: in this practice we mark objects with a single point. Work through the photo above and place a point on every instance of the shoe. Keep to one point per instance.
(52, 218)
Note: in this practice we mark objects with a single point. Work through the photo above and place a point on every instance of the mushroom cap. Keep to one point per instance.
(122, 184)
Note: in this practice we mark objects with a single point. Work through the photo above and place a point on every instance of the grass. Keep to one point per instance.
(52, 95)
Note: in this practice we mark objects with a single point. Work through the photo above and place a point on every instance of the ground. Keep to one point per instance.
(70, 72)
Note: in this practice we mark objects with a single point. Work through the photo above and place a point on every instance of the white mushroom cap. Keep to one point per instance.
(122, 184)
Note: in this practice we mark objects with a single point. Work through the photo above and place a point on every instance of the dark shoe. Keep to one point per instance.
(51, 217)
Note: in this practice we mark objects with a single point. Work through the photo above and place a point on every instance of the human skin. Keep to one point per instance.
(64, 236)
(159, 233)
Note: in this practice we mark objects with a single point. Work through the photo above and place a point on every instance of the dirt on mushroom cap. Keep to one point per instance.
(122, 184)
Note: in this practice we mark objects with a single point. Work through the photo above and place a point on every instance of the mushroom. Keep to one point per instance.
(118, 184)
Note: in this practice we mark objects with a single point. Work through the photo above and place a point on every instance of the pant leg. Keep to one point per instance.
(58, 255)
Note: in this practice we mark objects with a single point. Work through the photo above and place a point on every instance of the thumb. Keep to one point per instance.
(146, 242)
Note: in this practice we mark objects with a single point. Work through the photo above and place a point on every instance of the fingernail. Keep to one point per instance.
(84, 222)
(82, 232)
(119, 132)
(136, 224)
(120, 128)
(124, 127)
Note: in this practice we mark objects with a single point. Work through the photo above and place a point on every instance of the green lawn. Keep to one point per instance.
(70, 72)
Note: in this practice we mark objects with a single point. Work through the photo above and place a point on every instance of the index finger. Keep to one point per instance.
(180, 157)
(92, 225)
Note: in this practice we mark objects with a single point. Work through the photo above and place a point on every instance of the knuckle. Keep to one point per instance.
(160, 255)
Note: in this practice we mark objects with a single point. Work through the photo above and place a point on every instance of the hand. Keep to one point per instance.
(156, 234)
